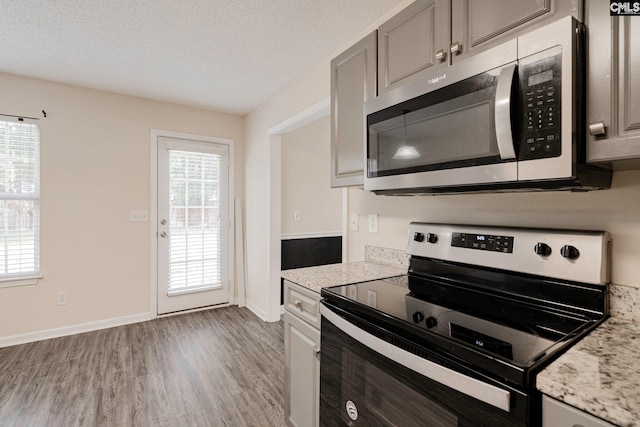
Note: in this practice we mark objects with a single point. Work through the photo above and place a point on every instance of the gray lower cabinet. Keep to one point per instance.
(558, 414)
(302, 349)
(353, 82)
(613, 87)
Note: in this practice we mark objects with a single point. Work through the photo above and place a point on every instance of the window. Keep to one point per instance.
(19, 203)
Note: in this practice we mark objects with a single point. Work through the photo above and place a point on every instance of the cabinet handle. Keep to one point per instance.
(298, 303)
(597, 128)
(456, 48)
(441, 55)
(316, 351)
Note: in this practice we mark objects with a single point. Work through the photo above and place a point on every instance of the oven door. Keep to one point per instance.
(367, 381)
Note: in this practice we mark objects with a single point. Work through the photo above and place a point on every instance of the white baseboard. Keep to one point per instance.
(256, 310)
(73, 329)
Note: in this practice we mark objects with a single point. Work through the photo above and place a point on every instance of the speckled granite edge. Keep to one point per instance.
(624, 302)
(600, 374)
(318, 277)
(386, 256)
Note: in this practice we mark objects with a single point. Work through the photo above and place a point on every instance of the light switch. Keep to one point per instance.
(296, 215)
(138, 216)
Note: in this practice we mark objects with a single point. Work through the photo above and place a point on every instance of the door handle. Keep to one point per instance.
(502, 114)
(597, 129)
(163, 222)
(456, 48)
(163, 234)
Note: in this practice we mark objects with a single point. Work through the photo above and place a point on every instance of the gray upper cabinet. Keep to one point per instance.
(430, 35)
(353, 81)
(413, 43)
(480, 25)
(613, 87)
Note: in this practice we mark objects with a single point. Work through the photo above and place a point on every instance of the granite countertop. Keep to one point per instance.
(316, 278)
(601, 374)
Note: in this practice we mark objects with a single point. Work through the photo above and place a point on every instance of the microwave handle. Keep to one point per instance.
(503, 113)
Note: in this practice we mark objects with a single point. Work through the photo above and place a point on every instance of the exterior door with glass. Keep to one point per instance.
(193, 224)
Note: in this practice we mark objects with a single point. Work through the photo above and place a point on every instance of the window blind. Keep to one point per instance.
(19, 200)
(195, 259)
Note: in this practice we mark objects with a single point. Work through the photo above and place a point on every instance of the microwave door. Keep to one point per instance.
(454, 136)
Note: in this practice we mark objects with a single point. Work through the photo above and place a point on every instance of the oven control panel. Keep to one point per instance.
(483, 242)
(580, 256)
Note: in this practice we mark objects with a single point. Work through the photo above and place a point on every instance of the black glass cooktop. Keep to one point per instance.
(500, 333)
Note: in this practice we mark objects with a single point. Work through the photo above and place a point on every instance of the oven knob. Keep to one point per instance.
(542, 249)
(432, 238)
(418, 237)
(569, 252)
(431, 322)
(418, 317)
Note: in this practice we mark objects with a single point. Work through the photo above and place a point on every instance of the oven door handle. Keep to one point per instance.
(502, 115)
(472, 387)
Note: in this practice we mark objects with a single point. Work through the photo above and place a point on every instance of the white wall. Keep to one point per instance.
(306, 184)
(95, 169)
(263, 285)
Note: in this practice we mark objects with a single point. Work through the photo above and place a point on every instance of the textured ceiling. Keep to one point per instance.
(226, 55)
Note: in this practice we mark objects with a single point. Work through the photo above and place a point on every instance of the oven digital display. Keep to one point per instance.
(484, 242)
(482, 341)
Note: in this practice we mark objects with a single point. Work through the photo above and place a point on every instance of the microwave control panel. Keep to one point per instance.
(540, 89)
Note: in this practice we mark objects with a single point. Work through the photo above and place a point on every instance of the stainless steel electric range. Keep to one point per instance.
(460, 339)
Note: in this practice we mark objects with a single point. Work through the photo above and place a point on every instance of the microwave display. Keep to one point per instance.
(542, 77)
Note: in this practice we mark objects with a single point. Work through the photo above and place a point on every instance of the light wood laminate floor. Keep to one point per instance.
(222, 367)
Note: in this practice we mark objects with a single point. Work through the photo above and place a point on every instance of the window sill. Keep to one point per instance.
(19, 281)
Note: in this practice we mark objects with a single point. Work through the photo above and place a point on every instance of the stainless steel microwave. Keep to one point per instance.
(510, 118)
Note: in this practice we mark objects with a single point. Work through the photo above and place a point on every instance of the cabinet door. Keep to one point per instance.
(413, 43)
(302, 372)
(558, 414)
(479, 25)
(613, 86)
(353, 82)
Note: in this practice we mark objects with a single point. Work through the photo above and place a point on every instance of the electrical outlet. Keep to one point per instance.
(373, 223)
(138, 216)
(61, 298)
(296, 215)
(352, 292)
(372, 298)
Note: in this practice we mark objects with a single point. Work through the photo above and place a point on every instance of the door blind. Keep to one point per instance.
(195, 259)
(19, 200)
